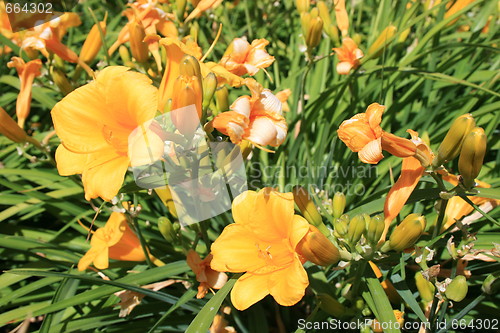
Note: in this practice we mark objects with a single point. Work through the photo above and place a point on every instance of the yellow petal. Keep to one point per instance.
(288, 285)
(105, 180)
(235, 251)
(248, 290)
(69, 163)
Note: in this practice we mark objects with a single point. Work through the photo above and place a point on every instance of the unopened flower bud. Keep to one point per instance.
(209, 86)
(333, 32)
(318, 249)
(138, 47)
(472, 156)
(374, 229)
(166, 229)
(340, 225)
(457, 289)
(356, 228)
(188, 93)
(452, 142)
(167, 199)
(331, 306)
(313, 34)
(425, 288)
(61, 81)
(221, 99)
(92, 43)
(124, 54)
(341, 17)
(338, 204)
(302, 5)
(306, 206)
(407, 232)
(189, 66)
(180, 9)
(382, 41)
(10, 128)
(324, 13)
(491, 284)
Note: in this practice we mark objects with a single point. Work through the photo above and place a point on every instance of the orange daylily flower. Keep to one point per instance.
(27, 73)
(47, 37)
(243, 58)
(103, 126)
(153, 19)
(113, 241)
(205, 275)
(262, 243)
(349, 55)
(457, 208)
(363, 135)
(412, 170)
(202, 6)
(257, 119)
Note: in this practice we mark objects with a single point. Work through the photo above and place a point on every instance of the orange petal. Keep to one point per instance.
(411, 172)
(398, 146)
(288, 285)
(248, 290)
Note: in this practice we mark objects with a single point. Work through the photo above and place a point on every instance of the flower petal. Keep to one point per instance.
(372, 152)
(248, 290)
(288, 285)
(69, 163)
(105, 180)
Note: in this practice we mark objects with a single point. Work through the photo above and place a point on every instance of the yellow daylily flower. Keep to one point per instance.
(262, 244)
(113, 241)
(95, 122)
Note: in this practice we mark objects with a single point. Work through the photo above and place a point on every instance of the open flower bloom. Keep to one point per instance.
(113, 241)
(205, 275)
(202, 6)
(27, 73)
(102, 125)
(243, 58)
(258, 119)
(47, 37)
(262, 243)
(457, 208)
(412, 170)
(363, 135)
(153, 19)
(349, 55)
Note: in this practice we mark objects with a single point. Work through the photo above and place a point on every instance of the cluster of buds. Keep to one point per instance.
(312, 24)
(359, 234)
(468, 141)
(406, 233)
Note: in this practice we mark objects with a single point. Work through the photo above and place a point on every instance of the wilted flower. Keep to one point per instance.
(205, 275)
(262, 243)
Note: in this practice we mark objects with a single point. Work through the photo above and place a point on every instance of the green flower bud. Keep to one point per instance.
(166, 229)
(340, 225)
(452, 142)
(425, 288)
(356, 228)
(338, 204)
(375, 228)
(457, 289)
(331, 306)
(471, 156)
(491, 284)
